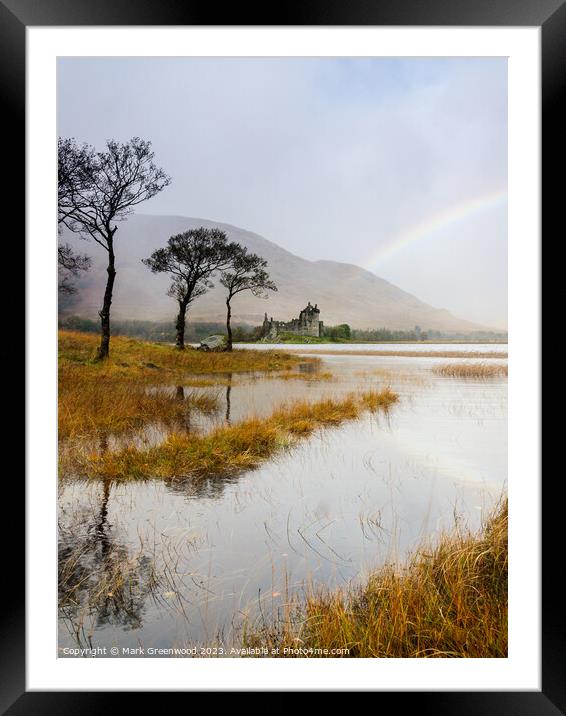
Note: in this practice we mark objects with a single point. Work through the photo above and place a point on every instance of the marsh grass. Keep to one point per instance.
(230, 449)
(110, 396)
(375, 400)
(471, 370)
(449, 600)
(108, 404)
(215, 382)
(157, 363)
(311, 377)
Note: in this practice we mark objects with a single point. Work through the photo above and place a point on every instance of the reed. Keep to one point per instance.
(99, 580)
(313, 377)
(471, 370)
(111, 396)
(230, 449)
(449, 600)
(109, 404)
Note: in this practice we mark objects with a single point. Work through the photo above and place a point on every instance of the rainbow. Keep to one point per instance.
(434, 223)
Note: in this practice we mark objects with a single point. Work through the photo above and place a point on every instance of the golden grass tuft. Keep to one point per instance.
(471, 370)
(230, 449)
(376, 399)
(450, 600)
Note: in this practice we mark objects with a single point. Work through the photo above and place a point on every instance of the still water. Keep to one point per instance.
(201, 560)
(382, 347)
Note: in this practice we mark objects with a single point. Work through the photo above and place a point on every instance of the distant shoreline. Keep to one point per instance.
(324, 341)
(454, 341)
(321, 350)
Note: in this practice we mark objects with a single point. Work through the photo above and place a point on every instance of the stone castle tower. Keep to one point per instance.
(307, 324)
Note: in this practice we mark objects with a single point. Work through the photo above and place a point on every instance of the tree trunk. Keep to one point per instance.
(228, 401)
(228, 326)
(180, 326)
(104, 347)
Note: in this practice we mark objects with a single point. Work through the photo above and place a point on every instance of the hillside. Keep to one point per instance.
(345, 293)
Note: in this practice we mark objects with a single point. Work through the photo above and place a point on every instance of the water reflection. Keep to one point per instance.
(100, 583)
(228, 398)
(308, 367)
(211, 488)
(321, 514)
(196, 417)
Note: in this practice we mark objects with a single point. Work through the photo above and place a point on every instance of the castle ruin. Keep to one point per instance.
(307, 324)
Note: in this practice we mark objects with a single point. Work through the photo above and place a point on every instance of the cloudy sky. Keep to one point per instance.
(396, 165)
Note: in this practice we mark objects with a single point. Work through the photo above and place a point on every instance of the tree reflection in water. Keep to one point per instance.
(228, 398)
(100, 582)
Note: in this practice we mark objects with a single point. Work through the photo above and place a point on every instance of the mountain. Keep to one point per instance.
(344, 293)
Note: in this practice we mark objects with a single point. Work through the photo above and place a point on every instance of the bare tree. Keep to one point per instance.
(71, 264)
(76, 173)
(247, 272)
(191, 258)
(123, 176)
(76, 169)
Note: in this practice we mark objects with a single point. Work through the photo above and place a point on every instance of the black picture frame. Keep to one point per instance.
(550, 16)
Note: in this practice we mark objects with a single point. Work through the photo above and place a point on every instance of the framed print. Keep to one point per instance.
(283, 352)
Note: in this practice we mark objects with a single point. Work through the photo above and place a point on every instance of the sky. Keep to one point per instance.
(398, 165)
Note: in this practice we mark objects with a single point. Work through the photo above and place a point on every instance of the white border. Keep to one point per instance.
(521, 671)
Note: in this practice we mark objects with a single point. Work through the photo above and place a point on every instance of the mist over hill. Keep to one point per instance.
(344, 293)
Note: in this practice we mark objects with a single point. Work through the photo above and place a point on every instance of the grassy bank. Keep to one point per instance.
(112, 396)
(108, 404)
(131, 359)
(471, 370)
(230, 449)
(450, 600)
